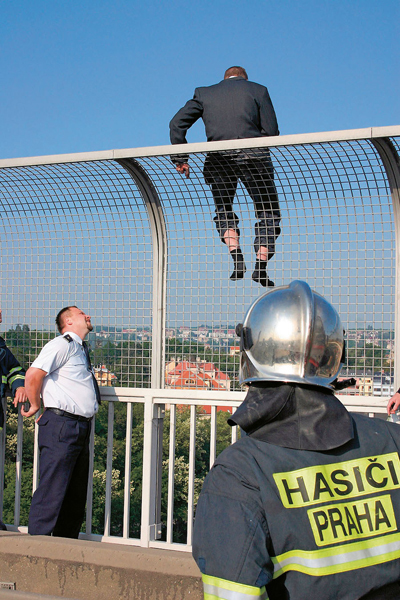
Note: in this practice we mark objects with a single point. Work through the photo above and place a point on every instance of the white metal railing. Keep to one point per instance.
(154, 402)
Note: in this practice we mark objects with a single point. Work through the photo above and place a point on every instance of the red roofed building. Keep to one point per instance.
(200, 375)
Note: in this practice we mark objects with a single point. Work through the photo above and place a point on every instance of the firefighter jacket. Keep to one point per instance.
(12, 374)
(306, 505)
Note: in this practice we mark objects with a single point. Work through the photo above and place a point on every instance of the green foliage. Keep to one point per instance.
(10, 467)
(368, 356)
(181, 470)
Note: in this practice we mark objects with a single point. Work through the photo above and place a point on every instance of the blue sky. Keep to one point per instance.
(93, 75)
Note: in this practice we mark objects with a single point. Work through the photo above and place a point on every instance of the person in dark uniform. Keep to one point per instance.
(13, 377)
(307, 504)
(62, 373)
(234, 109)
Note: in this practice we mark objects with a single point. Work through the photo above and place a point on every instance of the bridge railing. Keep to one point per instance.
(148, 524)
(121, 234)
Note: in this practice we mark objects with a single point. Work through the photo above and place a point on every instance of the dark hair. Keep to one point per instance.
(60, 317)
(235, 72)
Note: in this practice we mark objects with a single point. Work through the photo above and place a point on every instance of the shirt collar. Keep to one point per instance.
(74, 336)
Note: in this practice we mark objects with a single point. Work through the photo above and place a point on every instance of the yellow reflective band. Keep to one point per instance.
(3, 379)
(221, 589)
(338, 523)
(11, 381)
(339, 481)
(14, 370)
(339, 559)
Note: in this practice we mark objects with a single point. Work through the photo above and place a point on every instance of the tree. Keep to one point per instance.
(367, 357)
(10, 467)
(181, 467)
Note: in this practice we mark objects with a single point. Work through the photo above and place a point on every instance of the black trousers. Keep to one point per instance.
(222, 171)
(58, 504)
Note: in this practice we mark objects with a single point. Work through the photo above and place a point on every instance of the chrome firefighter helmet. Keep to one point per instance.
(291, 334)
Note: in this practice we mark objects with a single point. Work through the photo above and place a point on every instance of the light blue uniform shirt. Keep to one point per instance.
(68, 384)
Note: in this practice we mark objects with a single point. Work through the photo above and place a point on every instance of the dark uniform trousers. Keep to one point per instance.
(58, 504)
(222, 172)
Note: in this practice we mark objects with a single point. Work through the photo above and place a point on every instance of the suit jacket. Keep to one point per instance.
(232, 109)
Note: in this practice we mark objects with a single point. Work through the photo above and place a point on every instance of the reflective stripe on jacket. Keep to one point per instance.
(304, 524)
(214, 588)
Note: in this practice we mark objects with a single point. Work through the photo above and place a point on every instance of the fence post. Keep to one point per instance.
(160, 253)
(391, 164)
(151, 481)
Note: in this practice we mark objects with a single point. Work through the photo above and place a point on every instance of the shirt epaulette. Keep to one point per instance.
(68, 338)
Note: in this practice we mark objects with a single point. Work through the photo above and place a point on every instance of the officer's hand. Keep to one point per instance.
(31, 410)
(20, 396)
(393, 403)
(183, 169)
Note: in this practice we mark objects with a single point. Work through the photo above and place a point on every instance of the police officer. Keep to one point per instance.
(13, 376)
(63, 375)
(307, 504)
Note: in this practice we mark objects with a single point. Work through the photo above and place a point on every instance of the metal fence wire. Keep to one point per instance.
(337, 234)
(124, 236)
(78, 234)
(87, 232)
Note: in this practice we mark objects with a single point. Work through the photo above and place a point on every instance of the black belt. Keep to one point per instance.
(64, 413)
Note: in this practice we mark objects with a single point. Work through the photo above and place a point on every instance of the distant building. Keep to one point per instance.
(199, 375)
(103, 334)
(365, 386)
(104, 377)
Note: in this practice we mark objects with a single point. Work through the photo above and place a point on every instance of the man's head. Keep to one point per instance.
(291, 334)
(235, 72)
(72, 318)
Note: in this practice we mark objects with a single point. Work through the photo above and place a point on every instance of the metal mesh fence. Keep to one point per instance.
(337, 234)
(78, 234)
(396, 143)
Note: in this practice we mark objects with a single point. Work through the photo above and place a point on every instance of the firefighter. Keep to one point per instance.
(306, 505)
(13, 376)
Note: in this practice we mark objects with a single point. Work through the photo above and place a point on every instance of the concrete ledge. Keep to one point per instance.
(15, 595)
(83, 570)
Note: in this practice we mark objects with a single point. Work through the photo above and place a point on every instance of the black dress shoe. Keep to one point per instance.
(238, 273)
(261, 277)
(239, 267)
(260, 274)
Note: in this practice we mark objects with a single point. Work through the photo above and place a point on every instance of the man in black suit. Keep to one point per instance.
(234, 109)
